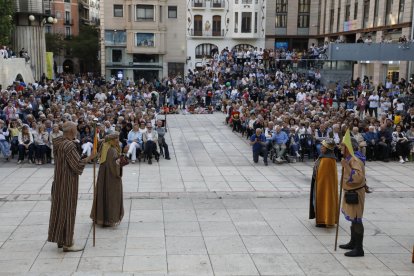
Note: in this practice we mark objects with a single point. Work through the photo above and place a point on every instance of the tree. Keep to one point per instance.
(6, 21)
(85, 47)
(55, 42)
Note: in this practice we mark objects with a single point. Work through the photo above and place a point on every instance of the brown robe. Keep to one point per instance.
(324, 191)
(109, 197)
(64, 195)
(354, 179)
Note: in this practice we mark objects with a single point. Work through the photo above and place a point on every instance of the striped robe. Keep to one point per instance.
(64, 196)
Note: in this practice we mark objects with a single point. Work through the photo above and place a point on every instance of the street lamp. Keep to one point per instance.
(50, 19)
(31, 18)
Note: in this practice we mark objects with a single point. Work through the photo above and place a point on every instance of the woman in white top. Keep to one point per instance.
(41, 140)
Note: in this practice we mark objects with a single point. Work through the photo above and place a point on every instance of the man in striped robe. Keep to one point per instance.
(64, 196)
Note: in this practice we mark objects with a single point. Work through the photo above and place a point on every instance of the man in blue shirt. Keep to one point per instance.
(258, 142)
(372, 139)
(280, 139)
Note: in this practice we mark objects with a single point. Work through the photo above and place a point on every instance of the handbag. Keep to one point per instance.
(123, 161)
(351, 197)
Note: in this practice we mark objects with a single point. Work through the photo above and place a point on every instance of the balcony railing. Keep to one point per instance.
(210, 33)
(68, 22)
(217, 4)
(198, 3)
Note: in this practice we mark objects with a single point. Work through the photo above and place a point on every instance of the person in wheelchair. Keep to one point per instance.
(161, 139)
(280, 139)
(150, 139)
(258, 143)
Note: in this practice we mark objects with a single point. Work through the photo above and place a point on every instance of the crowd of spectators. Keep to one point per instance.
(294, 111)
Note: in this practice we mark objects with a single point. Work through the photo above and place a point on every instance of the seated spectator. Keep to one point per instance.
(26, 143)
(402, 144)
(235, 119)
(150, 139)
(161, 139)
(384, 144)
(123, 135)
(4, 140)
(360, 139)
(134, 143)
(321, 134)
(86, 139)
(294, 143)
(371, 139)
(258, 143)
(14, 137)
(56, 132)
(41, 141)
(280, 139)
(269, 131)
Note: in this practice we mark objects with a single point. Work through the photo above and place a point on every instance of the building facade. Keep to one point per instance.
(298, 23)
(143, 38)
(217, 24)
(89, 12)
(67, 14)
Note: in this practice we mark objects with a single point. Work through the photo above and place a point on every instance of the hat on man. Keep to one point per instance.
(112, 136)
(329, 143)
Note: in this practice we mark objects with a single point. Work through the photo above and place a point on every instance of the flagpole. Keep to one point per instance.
(95, 147)
(339, 208)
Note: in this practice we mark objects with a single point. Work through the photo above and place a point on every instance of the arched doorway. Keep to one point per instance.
(19, 78)
(68, 66)
(205, 49)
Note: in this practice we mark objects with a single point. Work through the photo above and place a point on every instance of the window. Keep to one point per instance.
(67, 17)
(115, 37)
(304, 14)
(116, 55)
(348, 10)
(198, 25)
(67, 1)
(144, 58)
(366, 14)
(401, 11)
(67, 32)
(246, 22)
(339, 12)
(204, 50)
(356, 9)
(172, 11)
(376, 8)
(388, 12)
(255, 22)
(175, 69)
(118, 10)
(236, 22)
(217, 25)
(281, 14)
(145, 13)
(281, 6)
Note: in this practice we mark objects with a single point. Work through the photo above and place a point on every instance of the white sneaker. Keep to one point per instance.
(406, 159)
(19, 162)
(52, 162)
(297, 154)
(402, 161)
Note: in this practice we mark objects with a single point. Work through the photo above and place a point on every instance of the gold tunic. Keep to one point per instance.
(354, 179)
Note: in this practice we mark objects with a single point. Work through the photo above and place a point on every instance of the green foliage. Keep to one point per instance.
(55, 43)
(85, 47)
(6, 21)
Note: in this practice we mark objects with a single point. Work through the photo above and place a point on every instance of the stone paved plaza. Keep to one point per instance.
(208, 211)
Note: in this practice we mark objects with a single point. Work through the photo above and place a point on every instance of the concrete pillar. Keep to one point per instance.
(102, 40)
(32, 39)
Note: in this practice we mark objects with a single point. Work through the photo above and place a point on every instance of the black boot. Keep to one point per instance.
(358, 250)
(350, 244)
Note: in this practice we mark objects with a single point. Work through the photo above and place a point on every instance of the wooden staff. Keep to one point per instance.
(339, 208)
(95, 148)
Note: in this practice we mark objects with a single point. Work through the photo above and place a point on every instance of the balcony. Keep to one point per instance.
(198, 4)
(68, 22)
(210, 33)
(245, 2)
(372, 51)
(217, 4)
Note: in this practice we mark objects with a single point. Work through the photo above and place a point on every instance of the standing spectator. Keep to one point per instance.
(161, 139)
(324, 187)
(373, 104)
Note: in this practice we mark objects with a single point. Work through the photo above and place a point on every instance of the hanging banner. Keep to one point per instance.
(49, 65)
